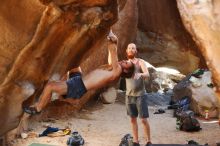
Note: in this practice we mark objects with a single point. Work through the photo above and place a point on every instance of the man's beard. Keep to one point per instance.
(130, 56)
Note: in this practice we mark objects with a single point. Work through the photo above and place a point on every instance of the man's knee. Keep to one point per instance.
(144, 121)
(50, 85)
(53, 87)
(58, 87)
(133, 120)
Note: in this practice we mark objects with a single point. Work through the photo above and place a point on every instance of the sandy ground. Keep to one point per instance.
(105, 125)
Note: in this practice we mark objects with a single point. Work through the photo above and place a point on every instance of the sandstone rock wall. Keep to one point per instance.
(56, 37)
(162, 39)
(16, 30)
(125, 29)
(202, 20)
(39, 39)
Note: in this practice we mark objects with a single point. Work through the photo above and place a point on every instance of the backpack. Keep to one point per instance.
(182, 106)
(75, 139)
(184, 103)
(189, 123)
(127, 140)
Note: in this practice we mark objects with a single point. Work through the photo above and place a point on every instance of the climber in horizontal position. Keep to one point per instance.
(77, 85)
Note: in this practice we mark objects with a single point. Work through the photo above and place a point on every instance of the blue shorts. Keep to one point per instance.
(75, 86)
(137, 105)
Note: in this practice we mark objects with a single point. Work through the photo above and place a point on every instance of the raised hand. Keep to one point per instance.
(112, 37)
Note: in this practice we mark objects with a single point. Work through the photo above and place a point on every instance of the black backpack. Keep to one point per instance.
(75, 139)
(189, 124)
(127, 140)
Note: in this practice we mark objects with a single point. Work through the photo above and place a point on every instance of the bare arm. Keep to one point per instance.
(144, 68)
(99, 78)
(112, 50)
(109, 58)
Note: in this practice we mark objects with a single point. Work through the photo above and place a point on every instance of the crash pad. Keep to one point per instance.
(39, 144)
(173, 145)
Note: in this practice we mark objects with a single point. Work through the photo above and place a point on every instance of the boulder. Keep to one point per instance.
(109, 95)
(202, 94)
(125, 29)
(162, 79)
(182, 89)
(162, 39)
(202, 20)
(204, 97)
(54, 40)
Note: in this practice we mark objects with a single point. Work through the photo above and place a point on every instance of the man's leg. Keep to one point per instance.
(144, 114)
(132, 111)
(58, 87)
(146, 129)
(134, 126)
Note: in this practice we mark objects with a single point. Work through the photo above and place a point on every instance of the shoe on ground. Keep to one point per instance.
(136, 144)
(148, 144)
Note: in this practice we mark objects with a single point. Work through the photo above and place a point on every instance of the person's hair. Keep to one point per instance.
(128, 72)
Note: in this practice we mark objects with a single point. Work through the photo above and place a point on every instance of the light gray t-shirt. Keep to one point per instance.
(135, 87)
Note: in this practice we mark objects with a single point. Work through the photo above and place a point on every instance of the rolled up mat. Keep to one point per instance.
(174, 145)
(39, 144)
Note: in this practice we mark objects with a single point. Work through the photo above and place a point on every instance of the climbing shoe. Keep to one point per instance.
(31, 110)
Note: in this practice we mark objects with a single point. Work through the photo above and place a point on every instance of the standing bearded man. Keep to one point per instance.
(136, 102)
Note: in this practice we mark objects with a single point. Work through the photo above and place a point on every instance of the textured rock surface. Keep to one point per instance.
(202, 20)
(125, 28)
(16, 30)
(64, 34)
(204, 97)
(56, 37)
(162, 39)
(182, 89)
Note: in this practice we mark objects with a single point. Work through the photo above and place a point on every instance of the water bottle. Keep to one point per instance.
(206, 114)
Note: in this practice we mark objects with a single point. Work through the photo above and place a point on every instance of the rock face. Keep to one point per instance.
(202, 19)
(126, 25)
(16, 30)
(182, 89)
(202, 97)
(162, 39)
(61, 34)
(53, 40)
(125, 29)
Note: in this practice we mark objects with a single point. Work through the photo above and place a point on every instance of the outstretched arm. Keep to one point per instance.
(99, 78)
(112, 50)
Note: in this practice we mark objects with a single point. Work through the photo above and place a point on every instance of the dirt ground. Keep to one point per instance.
(105, 125)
